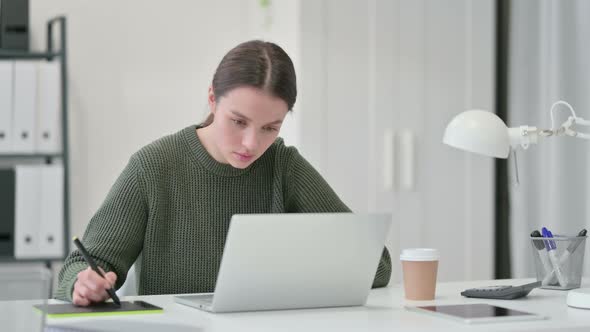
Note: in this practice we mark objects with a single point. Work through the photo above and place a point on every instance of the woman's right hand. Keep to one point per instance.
(91, 288)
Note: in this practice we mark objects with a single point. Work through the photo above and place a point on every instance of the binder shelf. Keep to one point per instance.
(34, 163)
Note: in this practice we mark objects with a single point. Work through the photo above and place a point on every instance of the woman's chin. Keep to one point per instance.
(240, 164)
(240, 161)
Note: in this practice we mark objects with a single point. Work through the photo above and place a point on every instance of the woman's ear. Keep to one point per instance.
(211, 100)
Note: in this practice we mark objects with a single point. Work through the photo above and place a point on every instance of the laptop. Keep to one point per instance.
(294, 261)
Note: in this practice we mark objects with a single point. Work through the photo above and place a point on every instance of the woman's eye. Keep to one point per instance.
(238, 122)
(270, 129)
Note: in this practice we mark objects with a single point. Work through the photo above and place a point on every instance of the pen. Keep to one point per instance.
(549, 279)
(551, 246)
(572, 247)
(95, 268)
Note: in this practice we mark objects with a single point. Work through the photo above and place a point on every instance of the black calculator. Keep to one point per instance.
(501, 292)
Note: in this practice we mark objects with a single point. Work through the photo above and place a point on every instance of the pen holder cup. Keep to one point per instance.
(559, 261)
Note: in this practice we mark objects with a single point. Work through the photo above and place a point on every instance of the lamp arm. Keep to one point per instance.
(571, 121)
(567, 129)
(524, 136)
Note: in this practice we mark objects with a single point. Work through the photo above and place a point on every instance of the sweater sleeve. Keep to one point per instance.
(308, 192)
(114, 236)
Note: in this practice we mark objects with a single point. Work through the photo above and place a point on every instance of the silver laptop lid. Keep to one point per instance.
(282, 261)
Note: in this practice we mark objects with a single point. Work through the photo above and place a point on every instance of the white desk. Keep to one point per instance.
(384, 312)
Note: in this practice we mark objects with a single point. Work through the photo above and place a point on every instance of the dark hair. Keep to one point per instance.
(258, 64)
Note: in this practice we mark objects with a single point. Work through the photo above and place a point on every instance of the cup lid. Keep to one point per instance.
(419, 254)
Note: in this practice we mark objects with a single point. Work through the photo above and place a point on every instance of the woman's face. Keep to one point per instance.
(246, 122)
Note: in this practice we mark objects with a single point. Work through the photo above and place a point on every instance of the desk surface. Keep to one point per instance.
(384, 312)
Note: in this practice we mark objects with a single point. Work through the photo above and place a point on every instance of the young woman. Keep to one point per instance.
(173, 202)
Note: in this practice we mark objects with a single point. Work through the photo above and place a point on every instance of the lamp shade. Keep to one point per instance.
(479, 132)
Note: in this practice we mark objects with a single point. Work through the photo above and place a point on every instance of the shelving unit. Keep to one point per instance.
(56, 27)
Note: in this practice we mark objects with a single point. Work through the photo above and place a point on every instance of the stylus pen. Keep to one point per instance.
(95, 268)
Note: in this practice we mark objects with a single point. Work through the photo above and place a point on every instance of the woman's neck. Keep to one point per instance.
(204, 134)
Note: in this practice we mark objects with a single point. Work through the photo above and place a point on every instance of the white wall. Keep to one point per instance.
(139, 70)
(381, 68)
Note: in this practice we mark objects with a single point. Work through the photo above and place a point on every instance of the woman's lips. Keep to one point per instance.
(243, 157)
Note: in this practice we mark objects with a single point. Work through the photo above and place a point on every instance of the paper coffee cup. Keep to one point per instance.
(419, 266)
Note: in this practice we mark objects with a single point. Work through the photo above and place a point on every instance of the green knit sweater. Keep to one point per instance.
(173, 203)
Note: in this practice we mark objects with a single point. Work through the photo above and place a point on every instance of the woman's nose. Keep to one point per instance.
(250, 140)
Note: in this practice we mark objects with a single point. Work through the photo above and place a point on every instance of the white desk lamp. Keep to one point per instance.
(485, 133)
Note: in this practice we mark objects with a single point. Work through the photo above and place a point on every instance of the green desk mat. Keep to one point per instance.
(100, 309)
